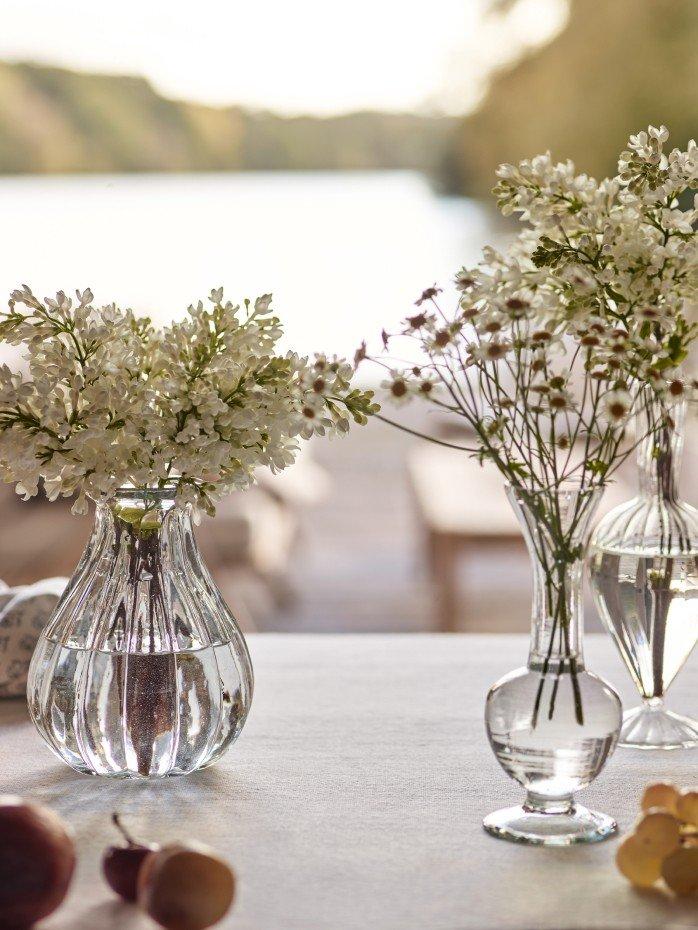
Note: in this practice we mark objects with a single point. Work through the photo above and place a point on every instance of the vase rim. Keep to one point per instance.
(164, 493)
(566, 487)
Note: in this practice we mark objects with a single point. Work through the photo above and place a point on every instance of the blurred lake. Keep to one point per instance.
(345, 253)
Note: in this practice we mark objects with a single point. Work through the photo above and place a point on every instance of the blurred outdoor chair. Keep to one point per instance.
(249, 544)
(462, 510)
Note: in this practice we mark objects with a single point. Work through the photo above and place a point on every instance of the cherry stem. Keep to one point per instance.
(116, 820)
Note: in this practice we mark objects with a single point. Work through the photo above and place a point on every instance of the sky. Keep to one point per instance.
(292, 56)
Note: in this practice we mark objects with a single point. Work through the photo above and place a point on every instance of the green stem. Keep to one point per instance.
(414, 432)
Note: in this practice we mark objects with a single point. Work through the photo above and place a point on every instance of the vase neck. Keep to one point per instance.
(143, 528)
(145, 511)
(556, 615)
(659, 454)
(144, 544)
(556, 526)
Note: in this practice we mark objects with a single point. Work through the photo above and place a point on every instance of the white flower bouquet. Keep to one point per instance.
(553, 344)
(110, 401)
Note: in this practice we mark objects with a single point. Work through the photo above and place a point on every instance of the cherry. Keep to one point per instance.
(121, 864)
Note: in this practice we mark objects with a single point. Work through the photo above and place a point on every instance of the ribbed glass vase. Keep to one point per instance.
(552, 724)
(142, 670)
(643, 563)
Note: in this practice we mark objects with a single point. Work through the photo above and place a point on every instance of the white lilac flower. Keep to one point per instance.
(107, 400)
(580, 279)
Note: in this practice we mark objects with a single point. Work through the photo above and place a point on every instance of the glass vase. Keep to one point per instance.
(552, 725)
(642, 563)
(141, 670)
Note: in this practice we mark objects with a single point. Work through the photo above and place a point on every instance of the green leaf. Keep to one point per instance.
(544, 258)
(518, 468)
(597, 467)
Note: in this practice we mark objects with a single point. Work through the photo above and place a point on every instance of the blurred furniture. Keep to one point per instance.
(460, 505)
(461, 509)
(249, 544)
(354, 798)
(39, 539)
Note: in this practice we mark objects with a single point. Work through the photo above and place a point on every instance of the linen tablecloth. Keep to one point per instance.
(353, 799)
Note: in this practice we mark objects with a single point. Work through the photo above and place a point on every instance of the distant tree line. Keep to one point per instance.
(54, 120)
(617, 66)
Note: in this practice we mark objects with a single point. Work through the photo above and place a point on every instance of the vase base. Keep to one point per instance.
(648, 727)
(536, 828)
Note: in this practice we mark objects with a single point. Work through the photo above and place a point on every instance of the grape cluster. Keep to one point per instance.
(664, 844)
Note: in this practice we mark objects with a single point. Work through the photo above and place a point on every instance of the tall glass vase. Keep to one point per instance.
(552, 724)
(643, 564)
(141, 670)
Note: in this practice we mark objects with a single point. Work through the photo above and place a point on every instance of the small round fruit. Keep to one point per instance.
(659, 832)
(637, 864)
(121, 864)
(185, 887)
(680, 870)
(37, 860)
(661, 794)
(687, 807)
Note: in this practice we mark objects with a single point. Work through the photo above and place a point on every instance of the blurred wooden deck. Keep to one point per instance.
(363, 560)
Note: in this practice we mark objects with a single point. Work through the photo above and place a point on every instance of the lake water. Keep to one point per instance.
(345, 253)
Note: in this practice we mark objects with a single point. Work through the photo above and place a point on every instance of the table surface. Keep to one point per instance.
(353, 799)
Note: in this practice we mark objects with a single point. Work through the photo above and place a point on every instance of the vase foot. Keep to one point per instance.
(648, 727)
(536, 828)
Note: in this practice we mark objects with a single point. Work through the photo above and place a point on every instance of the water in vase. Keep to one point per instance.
(558, 756)
(141, 671)
(552, 725)
(651, 607)
(145, 715)
(643, 566)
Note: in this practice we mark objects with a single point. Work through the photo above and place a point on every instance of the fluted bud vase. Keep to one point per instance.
(141, 671)
(643, 562)
(552, 724)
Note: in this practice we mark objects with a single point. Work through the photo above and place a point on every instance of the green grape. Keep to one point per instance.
(687, 807)
(659, 832)
(637, 864)
(660, 794)
(680, 870)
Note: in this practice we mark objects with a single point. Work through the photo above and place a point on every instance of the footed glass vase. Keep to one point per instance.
(141, 671)
(552, 724)
(643, 563)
